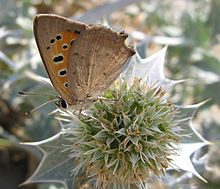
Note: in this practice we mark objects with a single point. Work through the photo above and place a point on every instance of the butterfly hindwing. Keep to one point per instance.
(55, 37)
(96, 60)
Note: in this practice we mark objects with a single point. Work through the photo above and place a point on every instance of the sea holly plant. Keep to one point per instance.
(132, 134)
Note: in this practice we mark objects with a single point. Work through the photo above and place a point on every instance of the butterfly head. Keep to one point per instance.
(62, 103)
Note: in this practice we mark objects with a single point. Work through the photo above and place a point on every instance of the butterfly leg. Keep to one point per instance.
(77, 113)
(80, 112)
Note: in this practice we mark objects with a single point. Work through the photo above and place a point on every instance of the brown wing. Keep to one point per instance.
(96, 60)
(54, 36)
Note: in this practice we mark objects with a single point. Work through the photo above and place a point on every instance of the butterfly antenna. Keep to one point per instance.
(38, 107)
(37, 94)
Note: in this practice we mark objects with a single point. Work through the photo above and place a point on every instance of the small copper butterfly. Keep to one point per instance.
(81, 60)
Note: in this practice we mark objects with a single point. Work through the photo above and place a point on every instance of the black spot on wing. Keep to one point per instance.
(52, 41)
(65, 46)
(77, 31)
(72, 42)
(62, 73)
(59, 37)
(66, 85)
(58, 59)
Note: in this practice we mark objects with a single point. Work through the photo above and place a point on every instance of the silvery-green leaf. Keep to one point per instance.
(188, 112)
(189, 144)
(182, 161)
(56, 165)
(150, 69)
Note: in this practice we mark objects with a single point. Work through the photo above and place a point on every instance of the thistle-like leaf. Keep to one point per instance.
(150, 69)
(55, 165)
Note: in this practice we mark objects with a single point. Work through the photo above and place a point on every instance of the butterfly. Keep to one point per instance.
(81, 60)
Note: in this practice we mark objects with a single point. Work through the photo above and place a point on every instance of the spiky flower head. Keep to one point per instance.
(126, 137)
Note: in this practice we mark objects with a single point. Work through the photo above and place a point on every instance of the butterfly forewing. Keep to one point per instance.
(96, 60)
(55, 37)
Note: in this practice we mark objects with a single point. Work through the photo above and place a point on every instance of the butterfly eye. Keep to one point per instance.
(63, 104)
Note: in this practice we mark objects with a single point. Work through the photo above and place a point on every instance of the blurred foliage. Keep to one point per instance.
(195, 58)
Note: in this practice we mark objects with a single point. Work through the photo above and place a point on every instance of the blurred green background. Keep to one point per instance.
(190, 28)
